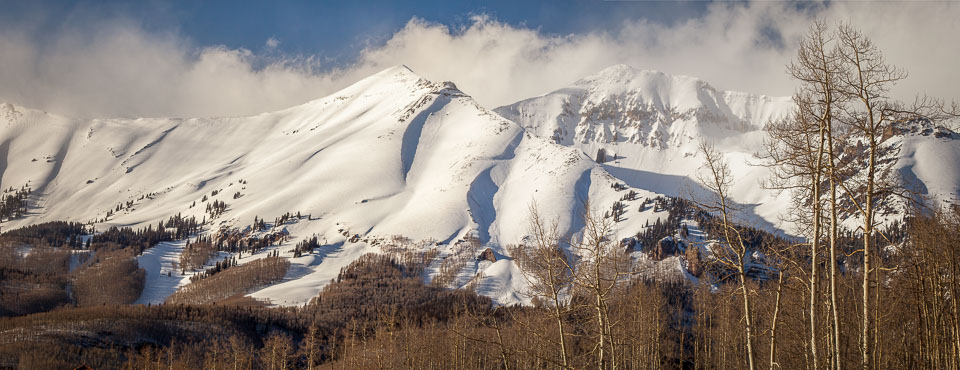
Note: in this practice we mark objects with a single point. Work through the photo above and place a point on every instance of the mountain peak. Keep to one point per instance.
(398, 79)
(619, 69)
(621, 77)
(397, 73)
(622, 71)
(398, 70)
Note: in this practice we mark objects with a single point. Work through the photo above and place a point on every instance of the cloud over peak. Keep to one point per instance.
(117, 68)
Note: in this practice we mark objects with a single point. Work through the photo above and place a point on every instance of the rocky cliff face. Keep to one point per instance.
(622, 104)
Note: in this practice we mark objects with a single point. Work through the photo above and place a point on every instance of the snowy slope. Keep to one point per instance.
(654, 122)
(930, 164)
(393, 154)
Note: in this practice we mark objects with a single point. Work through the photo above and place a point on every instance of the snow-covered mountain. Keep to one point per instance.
(622, 104)
(393, 154)
(649, 125)
(396, 159)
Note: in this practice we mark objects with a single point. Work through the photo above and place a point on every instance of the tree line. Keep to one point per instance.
(13, 203)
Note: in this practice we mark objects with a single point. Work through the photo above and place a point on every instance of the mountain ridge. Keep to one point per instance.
(642, 107)
(390, 155)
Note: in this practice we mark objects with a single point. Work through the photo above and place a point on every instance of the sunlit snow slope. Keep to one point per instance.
(393, 154)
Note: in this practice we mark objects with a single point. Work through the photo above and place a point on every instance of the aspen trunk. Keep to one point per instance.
(746, 314)
(833, 248)
(815, 251)
(773, 326)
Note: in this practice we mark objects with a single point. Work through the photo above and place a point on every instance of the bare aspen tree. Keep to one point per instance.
(795, 149)
(717, 177)
(601, 266)
(842, 99)
(867, 80)
(817, 67)
(276, 352)
(547, 270)
(309, 346)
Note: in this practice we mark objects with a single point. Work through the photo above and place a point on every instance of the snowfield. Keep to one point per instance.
(395, 154)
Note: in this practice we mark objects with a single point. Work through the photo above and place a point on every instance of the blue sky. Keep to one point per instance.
(335, 30)
(212, 58)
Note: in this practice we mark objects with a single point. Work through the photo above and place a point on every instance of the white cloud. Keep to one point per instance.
(272, 43)
(118, 69)
(729, 47)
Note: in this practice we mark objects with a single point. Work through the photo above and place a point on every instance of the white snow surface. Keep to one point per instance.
(158, 262)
